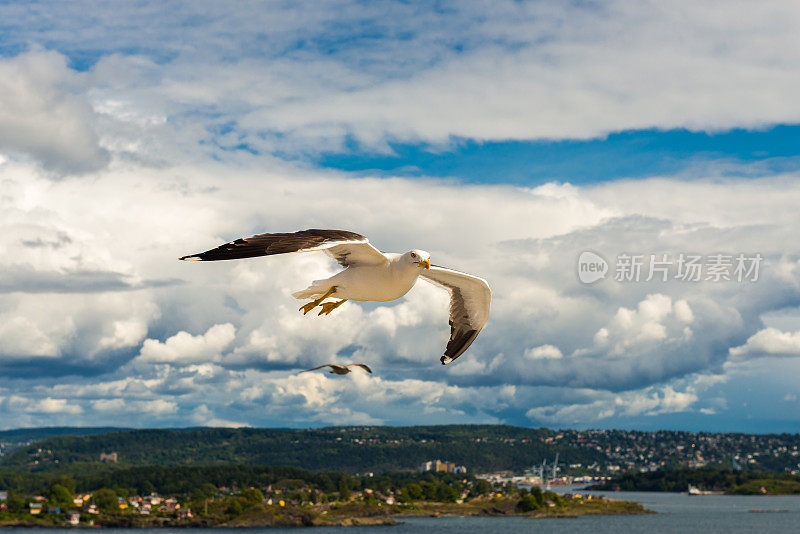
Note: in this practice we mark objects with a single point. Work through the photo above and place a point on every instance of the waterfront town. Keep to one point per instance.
(85, 507)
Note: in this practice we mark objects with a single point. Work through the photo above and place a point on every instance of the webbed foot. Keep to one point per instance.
(328, 307)
(308, 307)
(305, 308)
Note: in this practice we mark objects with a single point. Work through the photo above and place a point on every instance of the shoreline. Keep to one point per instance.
(353, 514)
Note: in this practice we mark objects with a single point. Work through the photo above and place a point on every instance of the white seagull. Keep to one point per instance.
(371, 275)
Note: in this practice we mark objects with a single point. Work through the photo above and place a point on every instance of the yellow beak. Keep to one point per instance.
(424, 263)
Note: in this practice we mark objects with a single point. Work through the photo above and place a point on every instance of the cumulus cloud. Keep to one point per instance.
(108, 405)
(654, 321)
(45, 405)
(177, 146)
(256, 80)
(145, 408)
(769, 341)
(233, 326)
(156, 407)
(543, 352)
(648, 402)
(204, 417)
(186, 348)
(46, 115)
(21, 336)
(50, 405)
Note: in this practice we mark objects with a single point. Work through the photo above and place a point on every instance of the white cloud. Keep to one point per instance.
(184, 348)
(91, 280)
(156, 407)
(45, 115)
(648, 402)
(204, 417)
(544, 70)
(50, 405)
(543, 352)
(769, 341)
(529, 71)
(124, 334)
(230, 318)
(655, 320)
(21, 336)
(147, 408)
(108, 405)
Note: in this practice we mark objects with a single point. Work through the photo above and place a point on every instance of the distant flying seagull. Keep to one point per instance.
(341, 369)
(371, 275)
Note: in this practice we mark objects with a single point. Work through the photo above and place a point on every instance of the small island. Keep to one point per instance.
(264, 496)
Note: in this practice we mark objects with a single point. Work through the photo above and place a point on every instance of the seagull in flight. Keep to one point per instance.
(370, 275)
(341, 369)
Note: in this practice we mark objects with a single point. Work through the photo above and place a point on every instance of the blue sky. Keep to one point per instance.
(506, 142)
(629, 154)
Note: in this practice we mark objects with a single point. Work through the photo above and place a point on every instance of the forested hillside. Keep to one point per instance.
(35, 434)
(11, 440)
(349, 449)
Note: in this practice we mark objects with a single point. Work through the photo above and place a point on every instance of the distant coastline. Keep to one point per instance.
(706, 482)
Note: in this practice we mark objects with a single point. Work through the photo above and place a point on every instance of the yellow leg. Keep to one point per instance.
(328, 307)
(314, 303)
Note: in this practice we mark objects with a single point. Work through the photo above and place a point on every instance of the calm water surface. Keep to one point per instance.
(677, 513)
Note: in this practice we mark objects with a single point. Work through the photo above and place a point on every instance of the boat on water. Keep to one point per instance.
(757, 511)
(694, 490)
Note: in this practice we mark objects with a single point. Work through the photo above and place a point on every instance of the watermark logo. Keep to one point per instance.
(681, 267)
(591, 267)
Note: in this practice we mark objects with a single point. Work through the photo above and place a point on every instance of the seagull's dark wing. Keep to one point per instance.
(362, 365)
(470, 301)
(347, 248)
(320, 367)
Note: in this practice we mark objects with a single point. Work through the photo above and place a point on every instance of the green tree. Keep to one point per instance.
(344, 490)
(234, 507)
(253, 495)
(204, 491)
(553, 497)
(15, 502)
(481, 487)
(325, 482)
(106, 500)
(414, 491)
(147, 487)
(429, 490)
(536, 493)
(60, 496)
(528, 503)
(445, 493)
(67, 482)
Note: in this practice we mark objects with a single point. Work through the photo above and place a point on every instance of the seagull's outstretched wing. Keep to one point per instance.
(347, 248)
(320, 367)
(362, 365)
(470, 300)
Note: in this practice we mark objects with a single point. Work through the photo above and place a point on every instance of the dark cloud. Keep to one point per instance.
(17, 279)
(39, 368)
(60, 239)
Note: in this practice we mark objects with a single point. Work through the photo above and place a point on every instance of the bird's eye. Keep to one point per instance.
(413, 255)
